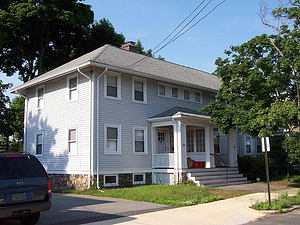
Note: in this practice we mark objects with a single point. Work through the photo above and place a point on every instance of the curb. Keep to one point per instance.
(277, 211)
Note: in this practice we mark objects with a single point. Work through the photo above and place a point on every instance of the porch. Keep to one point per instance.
(180, 134)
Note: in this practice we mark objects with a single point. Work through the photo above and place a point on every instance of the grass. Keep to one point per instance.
(282, 202)
(173, 195)
(282, 180)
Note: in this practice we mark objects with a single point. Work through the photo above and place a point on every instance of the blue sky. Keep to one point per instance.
(232, 23)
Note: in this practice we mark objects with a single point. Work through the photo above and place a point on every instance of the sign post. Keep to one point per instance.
(266, 149)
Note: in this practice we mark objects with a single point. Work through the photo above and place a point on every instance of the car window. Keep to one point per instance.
(20, 167)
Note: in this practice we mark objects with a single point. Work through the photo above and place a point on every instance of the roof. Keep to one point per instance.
(179, 111)
(117, 59)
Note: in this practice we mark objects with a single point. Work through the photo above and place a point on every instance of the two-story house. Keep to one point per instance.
(116, 117)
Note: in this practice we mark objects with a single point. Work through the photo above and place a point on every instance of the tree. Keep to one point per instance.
(260, 81)
(140, 49)
(5, 130)
(32, 31)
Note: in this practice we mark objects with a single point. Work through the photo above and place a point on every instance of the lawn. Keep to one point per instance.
(173, 195)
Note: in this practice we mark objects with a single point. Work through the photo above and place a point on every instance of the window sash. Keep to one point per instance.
(138, 90)
(72, 146)
(112, 139)
(174, 92)
(186, 95)
(39, 144)
(162, 90)
(112, 86)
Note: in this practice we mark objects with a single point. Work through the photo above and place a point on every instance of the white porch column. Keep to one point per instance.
(232, 140)
(183, 147)
(175, 128)
(209, 148)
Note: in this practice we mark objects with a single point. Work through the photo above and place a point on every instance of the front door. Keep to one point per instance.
(162, 146)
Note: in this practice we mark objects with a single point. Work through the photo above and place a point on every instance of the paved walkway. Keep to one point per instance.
(224, 212)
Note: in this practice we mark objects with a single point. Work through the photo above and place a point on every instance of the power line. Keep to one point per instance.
(180, 32)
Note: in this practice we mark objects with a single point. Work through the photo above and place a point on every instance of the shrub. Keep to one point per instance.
(252, 167)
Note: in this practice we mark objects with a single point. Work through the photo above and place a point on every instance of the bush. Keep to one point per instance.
(252, 167)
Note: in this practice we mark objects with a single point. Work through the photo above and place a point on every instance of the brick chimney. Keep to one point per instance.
(129, 46)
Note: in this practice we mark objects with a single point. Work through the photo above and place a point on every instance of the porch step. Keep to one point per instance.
(216, 177)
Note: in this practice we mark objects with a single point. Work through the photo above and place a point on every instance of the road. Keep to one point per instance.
(79, 209)
(291, 218)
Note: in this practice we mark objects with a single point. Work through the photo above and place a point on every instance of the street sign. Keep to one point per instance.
(263, 145)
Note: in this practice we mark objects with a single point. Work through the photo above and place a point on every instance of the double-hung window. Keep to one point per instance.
(112, 86)
(139, 140)
(72, 141)
(73, 89)
(39, 144)
(198, 97)
(174, 92)
(40, 97)
(186, 95)
(162, 90)
(112, 139)
(248, 145)
(139, 90)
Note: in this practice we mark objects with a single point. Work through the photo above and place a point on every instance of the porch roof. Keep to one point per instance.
(178, 111)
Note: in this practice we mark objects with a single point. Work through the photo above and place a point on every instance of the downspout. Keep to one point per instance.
(25, 121)
(98, 120)
(91, 113)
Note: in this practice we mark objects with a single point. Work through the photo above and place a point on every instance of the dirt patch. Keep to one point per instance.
(228, 194)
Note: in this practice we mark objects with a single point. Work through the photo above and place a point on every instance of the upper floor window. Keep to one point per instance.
(39, 144)
(198, 97)
(40, 98)
(73, 88)
(162, 90)
(140, 140)
(258, 146)
(139, 90)
(186, 95)
(112, 138)
(212, 97)
(112, 86)
(174, 92)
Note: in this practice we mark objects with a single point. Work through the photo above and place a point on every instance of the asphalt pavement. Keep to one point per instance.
(80, 209)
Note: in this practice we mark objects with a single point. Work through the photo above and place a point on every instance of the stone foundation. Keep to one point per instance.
(80, 182)
(68, 181)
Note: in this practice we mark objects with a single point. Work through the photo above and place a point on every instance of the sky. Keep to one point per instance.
(232, 23)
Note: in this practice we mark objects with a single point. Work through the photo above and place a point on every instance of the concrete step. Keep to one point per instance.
(221, 176)
(224, 180)
(212, 173)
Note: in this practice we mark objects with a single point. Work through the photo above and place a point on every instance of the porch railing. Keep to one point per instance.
(164, 160)
(222, 162)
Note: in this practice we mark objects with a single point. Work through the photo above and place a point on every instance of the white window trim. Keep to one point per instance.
(76, 141)
(37, 96)
(118, 152)
(201, 98)
(144, 89)
(68, 88)
(145, 140)
(195, 141)
(118, 86)
(111, 184)
(35, 143)
(139, 182)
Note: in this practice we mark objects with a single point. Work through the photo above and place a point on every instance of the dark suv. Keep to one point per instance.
(25, 188)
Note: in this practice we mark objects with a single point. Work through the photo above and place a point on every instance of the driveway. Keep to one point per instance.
(78, 209)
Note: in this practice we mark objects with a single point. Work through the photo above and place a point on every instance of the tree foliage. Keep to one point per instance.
(34, 34)
(260, 81)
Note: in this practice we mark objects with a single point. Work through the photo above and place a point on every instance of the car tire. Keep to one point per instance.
(31, 219)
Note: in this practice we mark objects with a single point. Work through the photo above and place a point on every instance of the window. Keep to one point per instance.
(139, 93)
(258, 146)
(248, 145)
(198, 97)
(200, 140)
(72, 145)
(174, 92)
(112, 86)
(111, 180)
(140, 140)
(190, 140)
(186, 95)
(40, 98)
(139, 179)
(216, 141)
(39, 144)
(72, 89)
(212, 97)
(195, 139)
(161, 90)
(112, 139)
